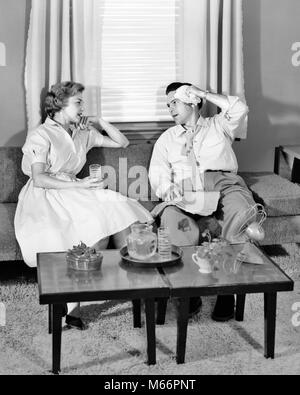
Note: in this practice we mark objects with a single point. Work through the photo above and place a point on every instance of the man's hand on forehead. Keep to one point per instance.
(186, 96)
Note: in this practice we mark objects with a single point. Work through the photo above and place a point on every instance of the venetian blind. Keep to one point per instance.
(139, 55)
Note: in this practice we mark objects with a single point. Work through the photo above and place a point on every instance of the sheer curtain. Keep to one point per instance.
(59, 48)
(215, 29)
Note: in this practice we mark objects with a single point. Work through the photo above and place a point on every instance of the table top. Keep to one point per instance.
(187, 279)
(115, 280)
(118, 280)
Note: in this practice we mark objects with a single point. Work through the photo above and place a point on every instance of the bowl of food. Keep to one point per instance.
(84, 258)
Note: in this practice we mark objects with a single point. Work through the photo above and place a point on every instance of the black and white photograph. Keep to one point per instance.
(150, 190)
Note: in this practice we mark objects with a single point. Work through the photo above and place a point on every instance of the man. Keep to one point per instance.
(197, 155)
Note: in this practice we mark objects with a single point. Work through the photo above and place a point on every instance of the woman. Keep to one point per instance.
(56, 210)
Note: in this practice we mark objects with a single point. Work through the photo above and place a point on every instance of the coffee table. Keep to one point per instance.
(59, 285)
(266, 278)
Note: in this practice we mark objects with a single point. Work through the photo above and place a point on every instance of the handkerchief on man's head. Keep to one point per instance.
(183, 94)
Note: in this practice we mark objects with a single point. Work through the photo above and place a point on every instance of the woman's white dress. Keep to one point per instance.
(49, 220)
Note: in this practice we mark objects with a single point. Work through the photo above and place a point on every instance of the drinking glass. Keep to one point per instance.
(95, 170)
(163, 242)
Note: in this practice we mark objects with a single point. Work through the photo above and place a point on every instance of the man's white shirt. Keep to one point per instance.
(212, 147)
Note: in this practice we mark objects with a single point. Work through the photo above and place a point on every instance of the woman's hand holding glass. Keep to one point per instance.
(90, 183)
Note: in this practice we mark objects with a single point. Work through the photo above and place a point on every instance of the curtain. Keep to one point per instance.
(217, 65)
(59, 48)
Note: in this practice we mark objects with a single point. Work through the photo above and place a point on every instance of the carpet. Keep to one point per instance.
(111, 346)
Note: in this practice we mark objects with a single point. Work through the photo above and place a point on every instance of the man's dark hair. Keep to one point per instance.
(175, 85)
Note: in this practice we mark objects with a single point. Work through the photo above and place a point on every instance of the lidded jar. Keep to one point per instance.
(141, 242)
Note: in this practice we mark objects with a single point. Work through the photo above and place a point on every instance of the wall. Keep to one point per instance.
(272, 83)
(13, 21)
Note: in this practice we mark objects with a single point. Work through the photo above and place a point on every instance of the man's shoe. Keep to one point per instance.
(195, 305)
(75, 322)
(224, 308)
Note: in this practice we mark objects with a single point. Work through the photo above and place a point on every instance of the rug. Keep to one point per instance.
(111, 346)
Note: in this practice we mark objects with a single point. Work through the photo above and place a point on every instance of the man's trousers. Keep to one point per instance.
(233, 208)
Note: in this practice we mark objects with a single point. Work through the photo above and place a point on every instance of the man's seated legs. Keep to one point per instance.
(235, 201)
(183, 228)
(235, 209)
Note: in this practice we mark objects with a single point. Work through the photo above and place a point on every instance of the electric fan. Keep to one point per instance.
(250, 228)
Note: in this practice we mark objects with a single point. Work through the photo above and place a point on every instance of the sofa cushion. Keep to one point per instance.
(127, 172)
(278, 195)
(12, 178)
(125, 169)
(279, 230)
(9, 248)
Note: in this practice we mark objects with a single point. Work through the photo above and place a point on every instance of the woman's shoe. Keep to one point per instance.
(75, 322)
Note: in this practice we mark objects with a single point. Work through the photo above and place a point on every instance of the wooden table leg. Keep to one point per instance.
(240, 307)
(270, 299)
(136, 311)
(50, 318)
(56, 337)
(161, 310)
(150, 323)
(296, 171)
(182, 324)
(278, 153)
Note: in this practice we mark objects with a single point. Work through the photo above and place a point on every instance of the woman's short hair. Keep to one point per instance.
(57, 98)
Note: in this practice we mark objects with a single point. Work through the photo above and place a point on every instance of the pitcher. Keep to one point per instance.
(141, 242)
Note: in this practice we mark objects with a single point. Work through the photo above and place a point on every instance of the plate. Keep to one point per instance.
(155, 261)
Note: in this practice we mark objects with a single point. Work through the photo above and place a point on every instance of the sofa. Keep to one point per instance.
(126, 171)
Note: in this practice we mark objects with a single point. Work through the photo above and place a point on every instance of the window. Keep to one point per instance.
(126, 52)
(139, 47)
